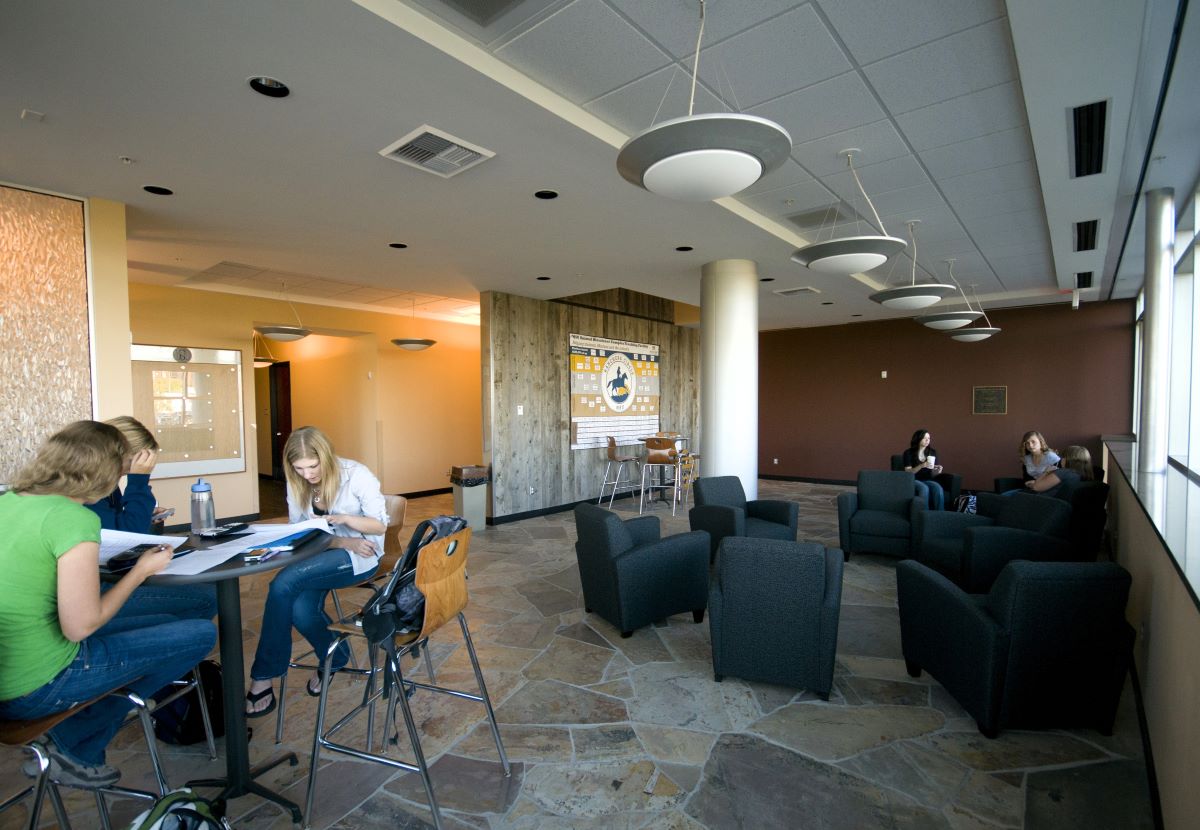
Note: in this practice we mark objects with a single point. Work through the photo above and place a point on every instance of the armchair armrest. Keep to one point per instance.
(1002, 484)
(916, 506)
(774, 510)
(847, 504)
(643, 529)
(986, 550)
(718, 521)
(941, 524)
(679, 561)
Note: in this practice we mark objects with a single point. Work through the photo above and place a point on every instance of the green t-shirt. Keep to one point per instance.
(37, 530)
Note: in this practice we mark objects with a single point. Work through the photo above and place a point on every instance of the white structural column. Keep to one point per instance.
(729, 371)
(1153, 417)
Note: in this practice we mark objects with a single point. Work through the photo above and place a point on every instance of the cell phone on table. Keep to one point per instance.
(165, 513)
(124, 560)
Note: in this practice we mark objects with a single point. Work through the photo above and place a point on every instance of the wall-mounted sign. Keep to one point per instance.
(989, 400)
(614, 391)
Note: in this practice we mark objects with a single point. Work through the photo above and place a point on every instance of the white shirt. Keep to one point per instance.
(359, 494)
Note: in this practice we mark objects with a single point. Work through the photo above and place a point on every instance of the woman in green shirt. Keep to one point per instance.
(55, 652)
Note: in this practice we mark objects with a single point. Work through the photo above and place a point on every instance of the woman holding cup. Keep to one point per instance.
(920, 459)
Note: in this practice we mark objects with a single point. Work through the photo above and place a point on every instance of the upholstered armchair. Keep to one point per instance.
(879, 516)
(951, 482)
(1047, 647)
(972, 549)
(773, 612)
(722, 510)
(632, 577)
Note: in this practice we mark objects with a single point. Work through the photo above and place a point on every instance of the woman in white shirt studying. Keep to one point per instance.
(347, 494)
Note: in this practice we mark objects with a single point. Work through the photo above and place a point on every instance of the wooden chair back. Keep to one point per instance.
(393, 540)
(442, 578)
(661, 450)
(612, 449)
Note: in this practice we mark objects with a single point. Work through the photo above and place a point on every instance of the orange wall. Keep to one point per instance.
(825, 412)
(407, 415)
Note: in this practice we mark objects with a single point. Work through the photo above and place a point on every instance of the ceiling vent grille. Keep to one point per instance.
(1085, 235)
(1083, 279)
(792, 292)
(824, 217)
(434, 151)
(1088, 127)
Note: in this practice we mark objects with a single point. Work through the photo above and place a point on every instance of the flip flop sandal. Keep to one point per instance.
(254, 697)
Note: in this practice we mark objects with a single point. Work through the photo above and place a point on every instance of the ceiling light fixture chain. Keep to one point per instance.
(850, 163)
(696, 62)
(914, 295)
(947, 320)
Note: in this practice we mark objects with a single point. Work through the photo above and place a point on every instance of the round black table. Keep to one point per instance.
(239, 776)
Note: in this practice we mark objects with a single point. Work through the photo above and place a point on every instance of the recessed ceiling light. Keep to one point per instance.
(546, 194)
(397, 245)
(827, 302)
(543, 279)
(270, 87)
(684, 248)
(856, 315)
(766, 279)
(158, 191)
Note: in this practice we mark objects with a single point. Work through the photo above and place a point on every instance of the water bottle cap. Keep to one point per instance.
(201, 486)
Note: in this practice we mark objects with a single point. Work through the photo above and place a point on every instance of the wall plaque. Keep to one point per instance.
(989, 400)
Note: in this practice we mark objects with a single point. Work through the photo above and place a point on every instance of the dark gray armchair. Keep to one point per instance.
(1047, 647)
(722, 510)
(972, 549)
(951, 482)
(773, 612)
(879, 516)
(631, 577)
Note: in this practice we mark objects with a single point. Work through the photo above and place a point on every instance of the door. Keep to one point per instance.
(280, 375)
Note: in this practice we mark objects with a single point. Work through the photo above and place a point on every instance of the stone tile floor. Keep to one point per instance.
(611, 733)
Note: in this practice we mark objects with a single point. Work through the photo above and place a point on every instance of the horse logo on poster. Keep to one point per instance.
(619, 382)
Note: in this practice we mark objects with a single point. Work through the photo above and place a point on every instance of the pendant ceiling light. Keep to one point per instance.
(262, 352)
(285, 333)
(974, 334)
(947, 320)
(413, 344)
(698, 158)
(914, 295)
(851, 254)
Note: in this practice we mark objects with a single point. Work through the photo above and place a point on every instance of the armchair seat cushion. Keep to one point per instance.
(880, 523)
(943, 555)
(763, 529)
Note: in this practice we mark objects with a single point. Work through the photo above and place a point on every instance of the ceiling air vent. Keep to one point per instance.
(1083, 279)
(436, 152)
(1085, 235)
(792, 292)
(827, 216)
(1087, 124)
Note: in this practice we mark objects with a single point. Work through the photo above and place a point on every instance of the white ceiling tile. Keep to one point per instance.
(993, 204)
(657, 97)
(905, 200)
(878, 141)
(232, 269)
(365, 294)
(1021, 175)
(1024, 271)
(960, 64)
(968, 116)
(583, 51)
(829, 107)
(675, 23)
(788, 174)
(893, 174)
(874, 29)
(992, 150)
(1034, 244)
(804, 196)
(996, 229)
(746, 69)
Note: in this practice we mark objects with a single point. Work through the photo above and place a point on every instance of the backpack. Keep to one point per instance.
(180, 809)
(965, 503)
(180, 721)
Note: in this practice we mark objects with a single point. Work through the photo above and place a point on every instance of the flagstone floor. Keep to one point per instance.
(610, 733)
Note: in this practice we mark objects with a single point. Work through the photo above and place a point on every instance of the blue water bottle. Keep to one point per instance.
(204, 516)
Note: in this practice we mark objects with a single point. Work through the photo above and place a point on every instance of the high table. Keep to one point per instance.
(239, 776)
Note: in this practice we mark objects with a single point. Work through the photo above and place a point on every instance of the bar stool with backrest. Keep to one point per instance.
(27, 734)
(620, 461)
(441, 576)
(661, 455)
(393, 549)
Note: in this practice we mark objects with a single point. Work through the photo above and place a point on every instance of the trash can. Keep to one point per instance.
(470, 494)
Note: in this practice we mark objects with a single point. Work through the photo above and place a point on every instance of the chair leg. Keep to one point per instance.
(60, 809)
(483, 692)
(39, 790)
(319, 730)
(642, 494)
(207, 721)
(415, 739)
(280, 705)
(102, 811)
(698, 616)
(604, 482)
(151, 744)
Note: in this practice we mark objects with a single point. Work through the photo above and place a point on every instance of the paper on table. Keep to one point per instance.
(113, 542)
(199, 561)
(278, 530)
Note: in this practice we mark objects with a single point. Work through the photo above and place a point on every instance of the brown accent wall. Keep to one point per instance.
(825, 412)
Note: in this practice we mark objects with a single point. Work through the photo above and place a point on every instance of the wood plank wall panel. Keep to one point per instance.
(524, 362)
(45, 361)
(625, 301)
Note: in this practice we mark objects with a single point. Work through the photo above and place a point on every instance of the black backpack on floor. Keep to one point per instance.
(180, 721)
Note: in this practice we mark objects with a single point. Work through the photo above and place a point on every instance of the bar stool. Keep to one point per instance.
(686, 474)
(26, 734)
(393, 549)
(620, 461)
(441, 576)
(661, 455)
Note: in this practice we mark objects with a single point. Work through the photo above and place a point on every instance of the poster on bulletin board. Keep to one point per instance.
(614, 391)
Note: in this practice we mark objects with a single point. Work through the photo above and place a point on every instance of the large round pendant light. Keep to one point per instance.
(851, 254)
(914, 295)
(974, 334)
(698, 158)
(284, 334)
(949, 320)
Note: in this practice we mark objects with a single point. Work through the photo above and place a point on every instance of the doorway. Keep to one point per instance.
(274, 395)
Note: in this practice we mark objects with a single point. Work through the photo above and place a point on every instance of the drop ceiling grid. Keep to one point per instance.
(663, 94)
(873, 30)
(823, 109)
(971, 154)
(879, 142)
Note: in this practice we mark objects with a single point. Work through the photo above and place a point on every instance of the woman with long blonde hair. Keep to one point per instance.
(347, 494)
(1076, 466)
(1036, 456)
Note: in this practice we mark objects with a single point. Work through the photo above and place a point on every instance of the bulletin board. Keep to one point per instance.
(614, 391)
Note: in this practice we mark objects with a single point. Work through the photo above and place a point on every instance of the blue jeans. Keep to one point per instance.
(297, 598)
(144, 657)
(153, 604)
(933, 492)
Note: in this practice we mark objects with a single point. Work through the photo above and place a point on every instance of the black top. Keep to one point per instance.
(911, 460)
